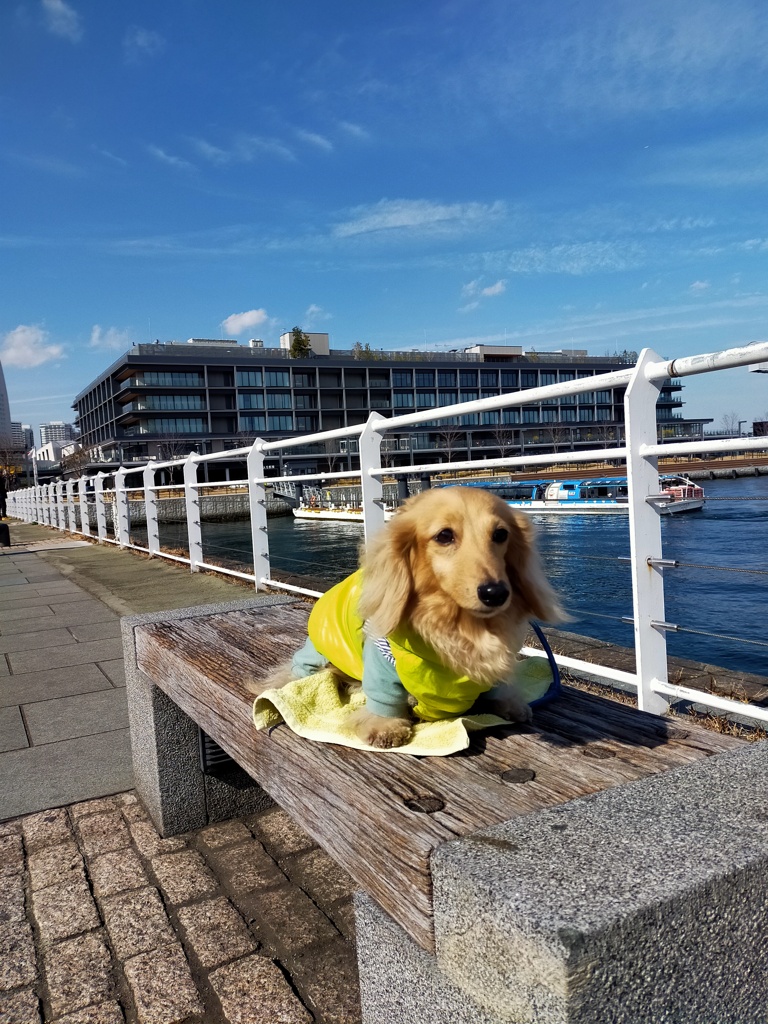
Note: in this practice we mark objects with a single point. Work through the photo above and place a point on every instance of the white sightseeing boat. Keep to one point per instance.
(596, 495)
(337, 513)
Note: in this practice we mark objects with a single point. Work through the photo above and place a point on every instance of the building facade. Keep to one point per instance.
(162, 401)
(57, 431)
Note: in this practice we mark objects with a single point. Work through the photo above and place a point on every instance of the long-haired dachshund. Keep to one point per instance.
(432, 622)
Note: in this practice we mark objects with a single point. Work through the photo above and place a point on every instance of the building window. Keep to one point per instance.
(530, 415)
(548, 377)
(306, 424)
(489, 379)
(249, 378)
(510, 416)
(586, 415)
(469, 396)
(587, 398)
(402, 378)
(468, 378)
(305, 401)
(278, 378)
(549, 415)
(278, 400)
(509, 379)
(528, 379)
(470, 420)
(252, 423)
(567, 375)
(378, 379)
(251, 400)
(184, 380)
(603, 415)
(425, 378)
(489, 419)
(180, 425)
(303, 378)
(426, 399)
(567, 415)
(403, 399)
(276, 422)
(604, 397)
(446, 378)
(171, 402)
(448, 398)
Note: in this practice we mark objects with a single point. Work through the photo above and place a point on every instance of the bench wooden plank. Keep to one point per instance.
(363, 807)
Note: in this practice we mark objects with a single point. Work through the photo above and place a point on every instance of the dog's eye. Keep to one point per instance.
(444, 537)
(499, 535)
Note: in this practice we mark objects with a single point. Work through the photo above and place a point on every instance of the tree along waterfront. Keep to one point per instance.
(584, 558)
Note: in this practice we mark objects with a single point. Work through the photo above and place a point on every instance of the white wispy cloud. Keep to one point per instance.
(111, 339)
(109, 156)
(168, 158)
(419, 216)
(141, 43)
(697, 287)
(316, 314)
(356, 131)
(244, 149)
(62, 20)
(27, 346)
(722, 162)
(475, 291)
(237, 323)
(319, 141)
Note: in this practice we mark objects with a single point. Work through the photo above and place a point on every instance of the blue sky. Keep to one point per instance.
(557, 174)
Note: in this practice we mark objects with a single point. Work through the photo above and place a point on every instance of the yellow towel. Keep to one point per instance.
(317, 709)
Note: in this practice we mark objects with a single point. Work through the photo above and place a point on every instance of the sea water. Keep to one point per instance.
(582, 558)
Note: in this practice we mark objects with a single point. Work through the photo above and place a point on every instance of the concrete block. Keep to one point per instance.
(165, 742)
(13, 735)
(162, 987)
(643, 904)
(216, 932)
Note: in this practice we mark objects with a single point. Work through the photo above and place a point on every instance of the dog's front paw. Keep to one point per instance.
(384, 733)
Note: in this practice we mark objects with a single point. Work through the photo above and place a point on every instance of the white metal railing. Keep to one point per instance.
(66, 506)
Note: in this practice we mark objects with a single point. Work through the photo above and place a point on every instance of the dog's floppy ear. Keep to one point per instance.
(387, 579)
(525, 572)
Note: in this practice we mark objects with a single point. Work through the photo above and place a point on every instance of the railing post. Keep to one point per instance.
(101, 508)
(150, 510)
(192, 502)
(48, 505)
(645, 536)
(120, 513)
(71, 515)
(372, 489)
(257, 501)
(82, 492)
(61, 518)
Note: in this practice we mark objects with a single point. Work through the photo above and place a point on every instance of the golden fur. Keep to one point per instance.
(428, 569)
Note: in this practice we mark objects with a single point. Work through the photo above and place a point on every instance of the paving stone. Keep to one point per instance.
(136, 922)
(28, 687)
(79, 973)
(114, 671)
(320, 876)
(64, 910)
(101, 806)
(10, 828)
(96, 630)
(134, 812)
(11, 856)
(12, 899)
(280, 833)
(246, 867)
(287, 918)
(20, 609)
(86, 610)
(47, 658)
(117, 872)
(47, 828)
(224, 834)
(184, 876)
(17, 955)
(19, 1007)
(162, 987)
(80, 714)
(216, 932)
(16, 643)
(254, 989)
(104, 1013)
(101, 833)
(53, 865)
(150, 843)
(13, 735)
(328, 979)
(343, 916)
(40, 624)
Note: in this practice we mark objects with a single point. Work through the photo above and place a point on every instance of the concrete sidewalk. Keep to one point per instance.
(63, 717)
(101, 920)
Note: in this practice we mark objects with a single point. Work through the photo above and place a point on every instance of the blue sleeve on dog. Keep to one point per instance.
(384, 693)
(307, 661)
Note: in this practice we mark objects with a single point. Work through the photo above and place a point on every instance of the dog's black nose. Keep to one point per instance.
(493, 594)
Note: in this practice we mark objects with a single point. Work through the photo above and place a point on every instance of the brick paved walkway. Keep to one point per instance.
(102, 921)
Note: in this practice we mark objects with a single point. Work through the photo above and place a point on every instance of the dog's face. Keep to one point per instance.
(460, 549)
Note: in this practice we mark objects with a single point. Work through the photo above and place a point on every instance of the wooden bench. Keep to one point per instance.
(380, 816)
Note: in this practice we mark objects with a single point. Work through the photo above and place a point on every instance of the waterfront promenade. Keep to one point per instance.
(101, 920)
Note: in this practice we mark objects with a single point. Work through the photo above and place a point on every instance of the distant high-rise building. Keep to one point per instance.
(22, 436)
(58, 431)
(5, 412)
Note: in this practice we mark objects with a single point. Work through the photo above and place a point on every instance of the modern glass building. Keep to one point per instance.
(166, 399)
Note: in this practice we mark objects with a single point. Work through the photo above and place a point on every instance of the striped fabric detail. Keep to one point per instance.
(382, 646)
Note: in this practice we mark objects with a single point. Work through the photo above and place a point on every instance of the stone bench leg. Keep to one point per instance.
(166, 752)
(644, 904)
